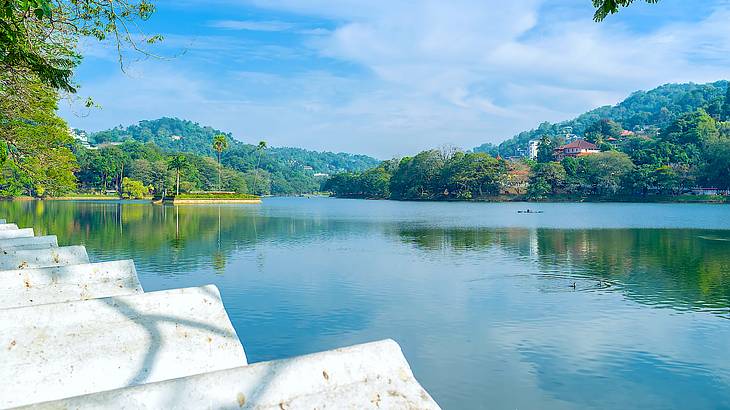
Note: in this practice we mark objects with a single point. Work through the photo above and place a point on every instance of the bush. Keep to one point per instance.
(133, 189)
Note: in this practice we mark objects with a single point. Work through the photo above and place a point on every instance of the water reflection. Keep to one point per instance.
(481, 301)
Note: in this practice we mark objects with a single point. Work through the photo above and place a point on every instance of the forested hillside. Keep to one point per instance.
(663, 143)
(657, 109)
(278, 170)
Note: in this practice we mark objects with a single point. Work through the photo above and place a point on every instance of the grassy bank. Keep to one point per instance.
(211, 198)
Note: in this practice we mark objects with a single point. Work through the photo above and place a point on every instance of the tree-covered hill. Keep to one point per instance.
(284, 170)
(176, 135)
(657, 109)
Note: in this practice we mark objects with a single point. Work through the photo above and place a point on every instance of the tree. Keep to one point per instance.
(546, 178)
(220, 144)
(177, 163)
(133, 189)
(725, 111)
(716, 170)
(35, 153)
(418, 177)
(260, 149)
(374, 183)
(546, 149)
(697, 128)
(38, 37)
(606, 7)
(600, 131)
(473, 175)
(606, 171)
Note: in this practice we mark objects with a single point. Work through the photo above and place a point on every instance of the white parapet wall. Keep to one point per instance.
(16, 233)
(31, 242)
(368, 376)
(55, 351)
(27, 287)
(6, 227)
(11, 259)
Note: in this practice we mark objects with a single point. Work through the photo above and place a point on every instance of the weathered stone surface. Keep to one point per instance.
(369, 376)
(26, 287)
(54, 351)
(7, 227)
(16, 233)
(31, 242)
(41, 258)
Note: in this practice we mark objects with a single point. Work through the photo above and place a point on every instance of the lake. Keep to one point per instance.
(607, 306)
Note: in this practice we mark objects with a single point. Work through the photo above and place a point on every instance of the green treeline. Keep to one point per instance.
(692, 150)
(428, 175)
(107, 168)
(257, 168)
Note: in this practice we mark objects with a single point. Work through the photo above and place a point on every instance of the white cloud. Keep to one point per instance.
(424, 73)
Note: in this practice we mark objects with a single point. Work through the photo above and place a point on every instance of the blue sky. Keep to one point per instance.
(390, 78)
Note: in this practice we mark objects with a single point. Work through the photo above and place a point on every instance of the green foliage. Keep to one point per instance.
(428, 175)
(38, 38)
(725, 107)
(643, 110)
(281, 171)
(716, 169)
(133, 189)
(546, 148)
(546, 179)
(606, 7)
(605, 172)
(602, 130)
(36, 159)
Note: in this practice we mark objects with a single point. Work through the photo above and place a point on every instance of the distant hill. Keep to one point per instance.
(656, 108)
(176, 135)
(287, 170)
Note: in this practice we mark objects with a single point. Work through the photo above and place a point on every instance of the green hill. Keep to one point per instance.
(655, 108)
(287, 170)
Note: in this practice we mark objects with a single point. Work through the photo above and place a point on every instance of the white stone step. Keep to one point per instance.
(55, 351)
(27, 287)
(8, 227)
(11, 259)
(16, 233)
(368, 376)
(31, 242)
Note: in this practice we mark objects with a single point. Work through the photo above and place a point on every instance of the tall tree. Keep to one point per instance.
(260, 148)
(35, 158)
(177, 163)
(546, 149)
(220, 144)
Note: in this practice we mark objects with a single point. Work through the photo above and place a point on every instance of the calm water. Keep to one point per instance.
(478, 296)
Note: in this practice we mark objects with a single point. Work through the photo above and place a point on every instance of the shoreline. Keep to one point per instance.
(720, 200)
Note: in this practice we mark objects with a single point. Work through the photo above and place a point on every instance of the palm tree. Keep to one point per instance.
(178, 163)
(220, 144)
(260, 148)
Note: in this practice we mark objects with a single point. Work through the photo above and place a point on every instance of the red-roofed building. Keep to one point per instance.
(577, 148)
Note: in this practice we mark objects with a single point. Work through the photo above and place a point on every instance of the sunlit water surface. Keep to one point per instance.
(480, 297)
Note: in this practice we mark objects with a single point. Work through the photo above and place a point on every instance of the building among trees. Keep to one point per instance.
(575, 149)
